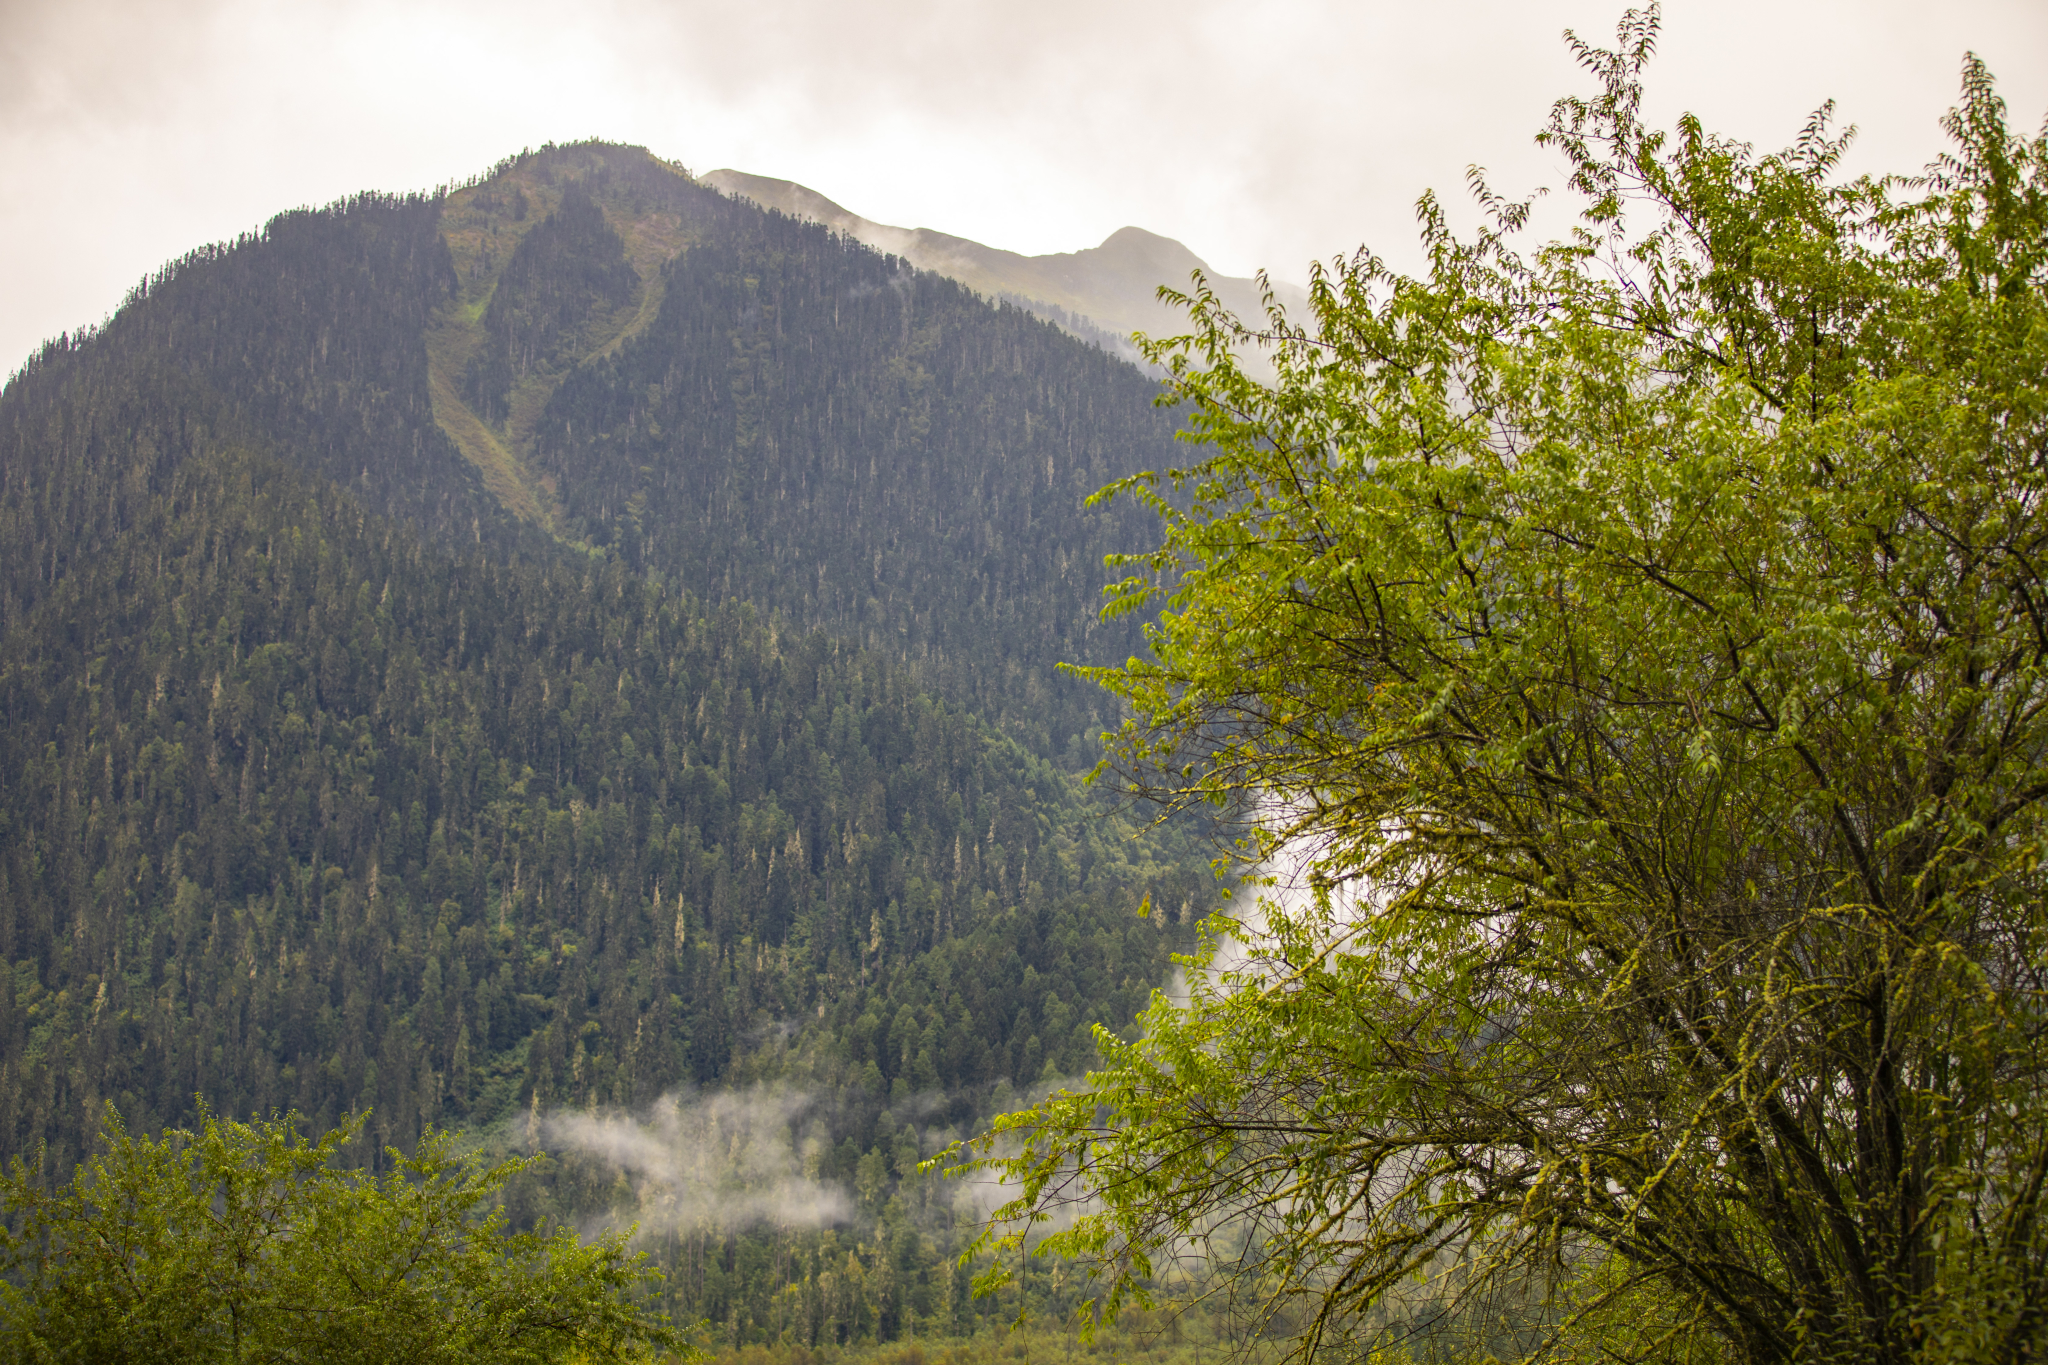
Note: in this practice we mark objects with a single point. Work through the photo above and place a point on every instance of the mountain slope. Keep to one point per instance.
(858, 439)
(555, 644)
(308, 337)
(650, 211)
(1108, 289)
(792, 418)
(874, 452)
(298, 812)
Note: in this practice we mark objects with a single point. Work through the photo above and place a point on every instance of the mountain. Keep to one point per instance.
(1101, 293)
(567, 641)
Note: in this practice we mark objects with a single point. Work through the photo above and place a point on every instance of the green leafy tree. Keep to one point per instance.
(1642, 637)
(243, 1242)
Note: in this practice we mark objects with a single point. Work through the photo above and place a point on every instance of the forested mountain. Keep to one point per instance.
(567, 641)
(568, 270)
(308, 338)
(744, 402)
(871, 450)
(783, 415)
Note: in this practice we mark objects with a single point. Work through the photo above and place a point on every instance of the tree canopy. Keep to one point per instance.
(1642, 634)
(243, 1242)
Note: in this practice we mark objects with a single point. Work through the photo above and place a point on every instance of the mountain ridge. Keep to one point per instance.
(1110, 287)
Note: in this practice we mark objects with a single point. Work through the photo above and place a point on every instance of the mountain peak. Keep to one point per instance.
(1137, 238)
(1135, 249)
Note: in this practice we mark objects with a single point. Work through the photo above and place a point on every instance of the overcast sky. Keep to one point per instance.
(1261, 134)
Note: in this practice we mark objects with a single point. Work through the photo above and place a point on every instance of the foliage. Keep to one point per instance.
(243, 1242)
(1643, 639)
(300, 814)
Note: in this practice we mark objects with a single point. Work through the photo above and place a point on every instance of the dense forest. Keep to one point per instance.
(305, 339)
(264, 743)
(334, 775)
(570, 267)
(816, 428)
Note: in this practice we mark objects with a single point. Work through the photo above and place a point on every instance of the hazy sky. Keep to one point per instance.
(1258, 133)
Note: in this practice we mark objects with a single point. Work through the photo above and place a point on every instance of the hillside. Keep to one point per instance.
(302, 814)
(308, 338)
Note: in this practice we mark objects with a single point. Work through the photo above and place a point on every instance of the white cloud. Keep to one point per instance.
(725, 1160)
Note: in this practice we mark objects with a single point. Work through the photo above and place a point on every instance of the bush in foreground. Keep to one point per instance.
(244, 1242)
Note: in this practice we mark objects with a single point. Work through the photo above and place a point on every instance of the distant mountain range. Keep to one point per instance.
(1100, 294)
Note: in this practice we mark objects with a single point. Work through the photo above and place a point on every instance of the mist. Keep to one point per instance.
(724, 1160)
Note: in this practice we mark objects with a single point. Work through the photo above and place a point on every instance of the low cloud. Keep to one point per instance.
(725, 1160)
(1283, 886)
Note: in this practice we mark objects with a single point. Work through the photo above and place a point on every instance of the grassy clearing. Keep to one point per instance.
(482, 232)
(511, 482)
